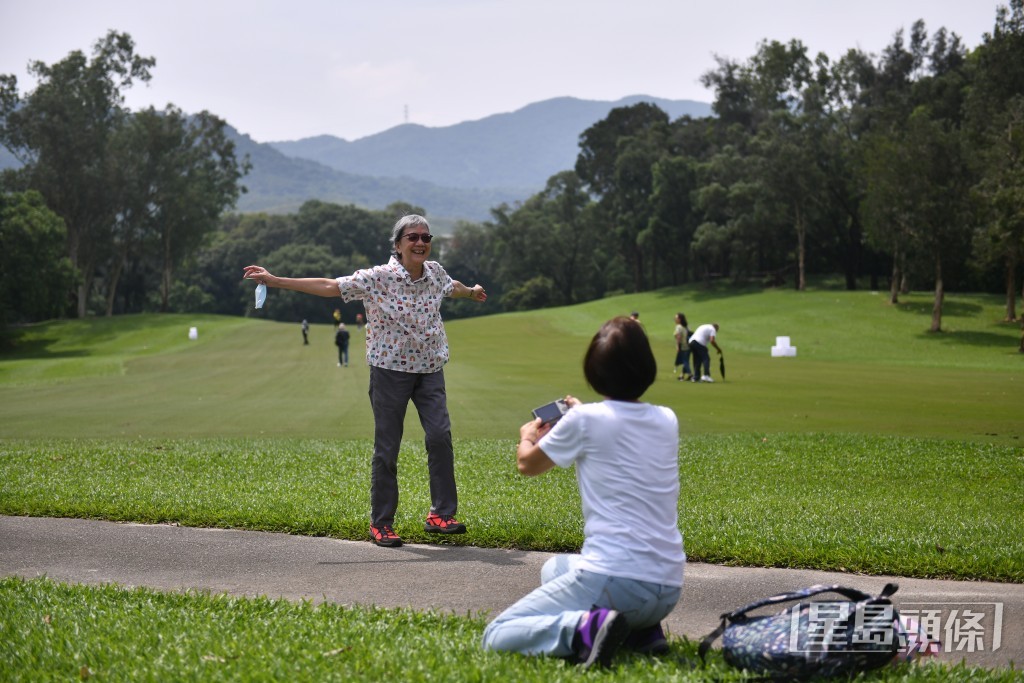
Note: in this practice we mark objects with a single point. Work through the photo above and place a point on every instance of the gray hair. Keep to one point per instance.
(407, 222)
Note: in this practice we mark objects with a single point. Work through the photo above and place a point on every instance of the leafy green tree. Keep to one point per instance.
(62, 133)
(615, 163)
(1000, 195)
(791, 179)
(920, 185)
(348, 229)
(674, 215)
(302, 260)
(537, 292)
(195, 179)
(838, 106)
(35, 274)
(548, 235)
(995, 124)
(465, 255)
(241, 240)
(888, 207)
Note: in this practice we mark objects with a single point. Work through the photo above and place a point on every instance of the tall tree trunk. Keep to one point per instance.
(638, 269)
(165, 280)
(1011, 288)
(894, 282)
(115, 277)
(801, 250)
(852, 260)
(939, 294)
(88, 272)
(904, 281)
(81, 292)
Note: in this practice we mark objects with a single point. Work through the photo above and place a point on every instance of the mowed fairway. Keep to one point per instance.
(863, 367)
(880, 448)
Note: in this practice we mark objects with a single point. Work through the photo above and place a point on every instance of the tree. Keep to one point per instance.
(304, 260)
(350, 230)
(791, 178)
(888, 210)
(35, 275)
(1000, 195)
(465, 255)
(552, 240)
(62, 133)
(917, 196)
(196, 180)
(672, 220)
(616, 161)
(995, 122)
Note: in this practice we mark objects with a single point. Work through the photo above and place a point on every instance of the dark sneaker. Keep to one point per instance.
(647, 641)
(385, 536)
(443, 524)
(598, 636)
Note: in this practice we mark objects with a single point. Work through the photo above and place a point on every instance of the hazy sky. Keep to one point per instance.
(351, 68)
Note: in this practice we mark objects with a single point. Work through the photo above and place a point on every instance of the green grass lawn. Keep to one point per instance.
(881, 448)
(104, 633)
(863, 367)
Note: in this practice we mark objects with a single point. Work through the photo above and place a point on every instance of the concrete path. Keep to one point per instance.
(475, 580)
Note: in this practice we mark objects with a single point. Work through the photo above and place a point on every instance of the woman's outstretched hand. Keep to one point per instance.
(257, 273)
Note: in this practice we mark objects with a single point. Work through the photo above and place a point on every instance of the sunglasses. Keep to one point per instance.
(417, 236)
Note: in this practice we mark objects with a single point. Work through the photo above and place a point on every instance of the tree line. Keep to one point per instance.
(124, 198)
(902, 169)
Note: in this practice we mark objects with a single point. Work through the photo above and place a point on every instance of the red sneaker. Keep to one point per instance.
(385, 536)
(443, 524)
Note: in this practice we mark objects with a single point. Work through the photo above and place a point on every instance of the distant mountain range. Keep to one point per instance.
(453, 172)
(517, 150)
(458, 171)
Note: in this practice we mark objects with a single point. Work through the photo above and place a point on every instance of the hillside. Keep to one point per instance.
(521, 149)
(455, 172)
(280, 184)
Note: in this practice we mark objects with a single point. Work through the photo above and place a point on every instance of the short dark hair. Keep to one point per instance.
(619, 363)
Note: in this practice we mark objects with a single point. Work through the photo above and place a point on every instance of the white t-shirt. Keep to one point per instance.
(703, 334)
(627, 467)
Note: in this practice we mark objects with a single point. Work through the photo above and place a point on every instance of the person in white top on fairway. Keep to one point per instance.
(699, 341)
(406, 354)
(629, 574)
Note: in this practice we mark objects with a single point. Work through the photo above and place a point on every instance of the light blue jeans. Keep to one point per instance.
(545, 621)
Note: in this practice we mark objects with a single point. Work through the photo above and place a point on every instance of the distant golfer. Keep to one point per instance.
(701, 338)
(406, 354)
(305, 332)
(681, 334)
(341, 337)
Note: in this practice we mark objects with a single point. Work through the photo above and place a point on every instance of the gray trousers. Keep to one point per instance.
(390, 392)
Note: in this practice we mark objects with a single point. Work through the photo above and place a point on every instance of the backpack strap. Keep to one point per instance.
(851, 593)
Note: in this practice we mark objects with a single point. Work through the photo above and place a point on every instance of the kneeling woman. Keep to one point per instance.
(629, 573)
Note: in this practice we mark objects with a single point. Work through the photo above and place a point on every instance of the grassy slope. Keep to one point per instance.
(863, 367)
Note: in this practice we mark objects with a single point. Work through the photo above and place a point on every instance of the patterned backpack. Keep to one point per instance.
(814, 638)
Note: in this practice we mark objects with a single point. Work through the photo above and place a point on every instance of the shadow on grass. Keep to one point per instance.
(993, 340)
(78, 337)
(959, 308)
(699, 292)
(39, 349)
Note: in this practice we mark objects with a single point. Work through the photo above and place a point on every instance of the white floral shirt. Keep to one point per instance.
(403, 317)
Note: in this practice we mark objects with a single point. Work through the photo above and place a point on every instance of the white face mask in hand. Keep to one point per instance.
(261, 295)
